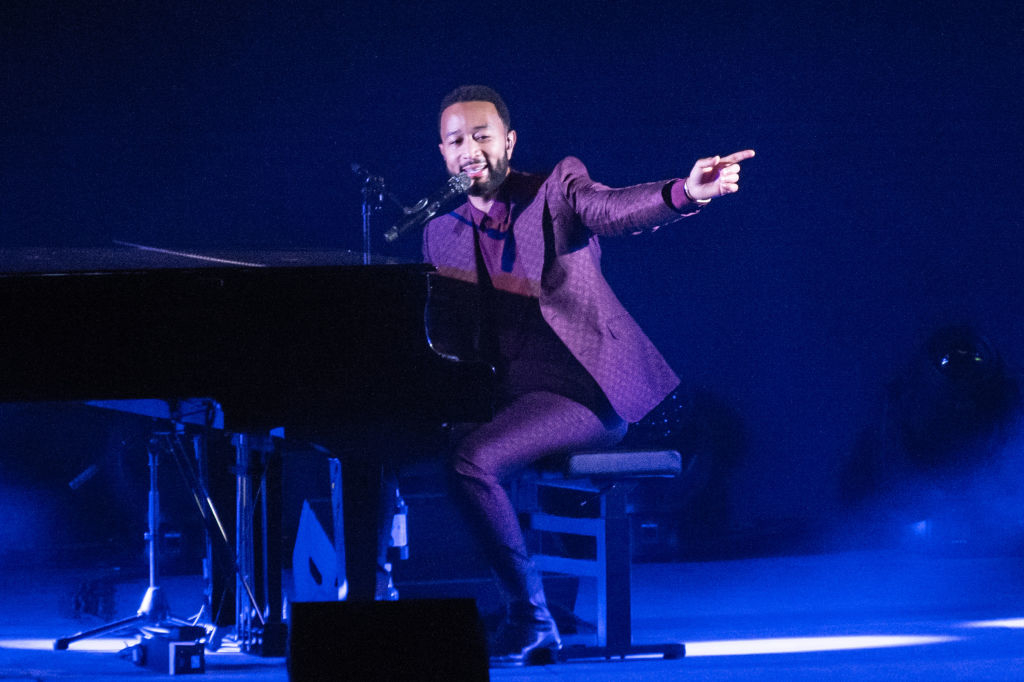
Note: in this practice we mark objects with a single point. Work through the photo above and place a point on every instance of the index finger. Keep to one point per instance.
(736, 157)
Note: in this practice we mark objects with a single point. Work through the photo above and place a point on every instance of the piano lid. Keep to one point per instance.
(132, 257)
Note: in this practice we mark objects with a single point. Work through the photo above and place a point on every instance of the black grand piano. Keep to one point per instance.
(279, 339)
(315, 342)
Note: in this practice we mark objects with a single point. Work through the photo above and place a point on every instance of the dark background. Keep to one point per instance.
(885, 200)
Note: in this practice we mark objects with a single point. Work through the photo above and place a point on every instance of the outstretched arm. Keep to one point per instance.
(608, 211)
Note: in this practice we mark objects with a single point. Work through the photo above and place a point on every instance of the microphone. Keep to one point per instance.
(364, 175)
(427, 208)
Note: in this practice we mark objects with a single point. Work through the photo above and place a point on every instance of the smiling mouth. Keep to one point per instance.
(475, 170)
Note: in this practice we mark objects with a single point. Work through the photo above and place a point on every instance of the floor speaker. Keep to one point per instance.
(318, 570)
(416, 639)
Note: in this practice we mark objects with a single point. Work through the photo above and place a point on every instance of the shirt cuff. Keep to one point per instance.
(674, 194)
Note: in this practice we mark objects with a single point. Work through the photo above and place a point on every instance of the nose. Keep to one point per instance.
(470, 149)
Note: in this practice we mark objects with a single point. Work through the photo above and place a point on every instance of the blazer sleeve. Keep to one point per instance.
(608, 211)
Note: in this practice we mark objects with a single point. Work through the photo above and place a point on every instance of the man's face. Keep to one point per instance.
(474, 140)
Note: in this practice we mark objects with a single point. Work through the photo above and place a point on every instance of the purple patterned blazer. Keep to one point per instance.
(551, 252)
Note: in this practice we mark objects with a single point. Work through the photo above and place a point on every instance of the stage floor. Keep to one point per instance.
(868, 615)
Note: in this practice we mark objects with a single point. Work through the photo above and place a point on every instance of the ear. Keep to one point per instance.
(440, 148)
(510, 142)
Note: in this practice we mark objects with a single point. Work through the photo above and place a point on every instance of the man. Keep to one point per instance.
(573, 367)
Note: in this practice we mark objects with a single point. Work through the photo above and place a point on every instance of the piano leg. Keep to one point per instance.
(361, 501)
(367, 495)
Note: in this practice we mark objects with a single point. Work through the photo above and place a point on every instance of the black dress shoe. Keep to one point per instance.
(519, 644)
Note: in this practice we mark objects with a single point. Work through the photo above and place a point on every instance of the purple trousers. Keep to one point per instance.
(533, 426)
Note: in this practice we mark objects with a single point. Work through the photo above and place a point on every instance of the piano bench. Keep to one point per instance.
(603, 478)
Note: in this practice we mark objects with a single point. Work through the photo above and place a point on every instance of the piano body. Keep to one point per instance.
(278, 339)
(315, 342)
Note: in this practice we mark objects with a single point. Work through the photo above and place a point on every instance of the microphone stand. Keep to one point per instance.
(374, 193)
(373, 202)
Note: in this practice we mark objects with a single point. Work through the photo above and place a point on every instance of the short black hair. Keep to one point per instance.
(476, 93)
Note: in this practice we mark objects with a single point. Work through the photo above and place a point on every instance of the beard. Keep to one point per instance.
(496, 174)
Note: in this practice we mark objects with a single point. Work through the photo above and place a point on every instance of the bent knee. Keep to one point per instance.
(472, 464)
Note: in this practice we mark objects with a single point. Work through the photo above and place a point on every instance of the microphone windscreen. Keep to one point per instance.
(461, 182)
